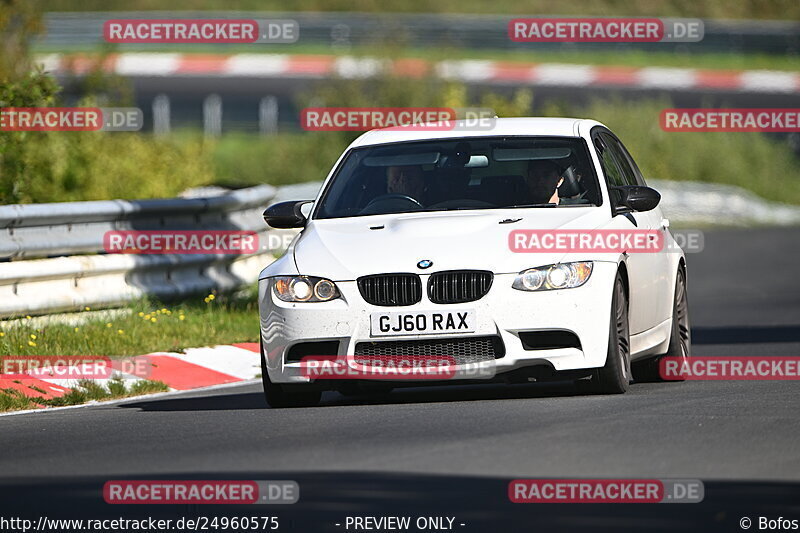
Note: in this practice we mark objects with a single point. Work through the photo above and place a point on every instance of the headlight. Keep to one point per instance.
(304, 289)
(550, 277)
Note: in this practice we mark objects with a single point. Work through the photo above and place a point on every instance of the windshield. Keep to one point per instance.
(468, 173)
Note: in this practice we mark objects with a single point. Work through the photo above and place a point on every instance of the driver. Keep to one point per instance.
(543, 180)
(406, 180)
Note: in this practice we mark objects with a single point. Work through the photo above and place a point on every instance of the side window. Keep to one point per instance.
(611, 169)
(628, 176)
(634, 166)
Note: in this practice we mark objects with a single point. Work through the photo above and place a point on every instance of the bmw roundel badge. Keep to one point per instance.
(425, 263)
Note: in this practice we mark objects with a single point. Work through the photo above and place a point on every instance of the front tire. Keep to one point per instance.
(614, 377)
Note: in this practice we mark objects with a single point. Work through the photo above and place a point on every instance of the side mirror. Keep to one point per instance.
(634, 198)
(285, 215)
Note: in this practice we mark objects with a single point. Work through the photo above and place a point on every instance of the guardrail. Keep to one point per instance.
(42, 230)
(51, 255)
(342, 30)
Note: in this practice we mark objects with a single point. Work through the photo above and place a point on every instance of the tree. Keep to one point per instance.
(22, 84)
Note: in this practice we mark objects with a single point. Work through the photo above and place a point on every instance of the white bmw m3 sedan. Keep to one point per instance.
(514, 251)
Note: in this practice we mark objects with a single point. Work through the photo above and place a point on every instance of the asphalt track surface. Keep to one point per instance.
(453, 450)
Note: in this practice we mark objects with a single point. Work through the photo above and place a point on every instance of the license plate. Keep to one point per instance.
(421, 323)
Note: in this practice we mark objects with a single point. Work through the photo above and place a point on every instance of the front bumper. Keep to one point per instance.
(503, 312)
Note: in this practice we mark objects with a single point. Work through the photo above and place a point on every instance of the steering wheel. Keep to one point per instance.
(570, 186)
(385, 197)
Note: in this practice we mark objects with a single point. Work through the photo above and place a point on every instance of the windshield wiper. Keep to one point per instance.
(532, 205)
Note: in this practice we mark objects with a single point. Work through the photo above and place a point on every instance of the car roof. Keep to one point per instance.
(527, 126)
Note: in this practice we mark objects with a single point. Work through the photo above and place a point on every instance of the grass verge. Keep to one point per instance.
(150, 327)
(85, 391)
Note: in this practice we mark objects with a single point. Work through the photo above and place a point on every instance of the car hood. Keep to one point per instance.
(346, 248)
